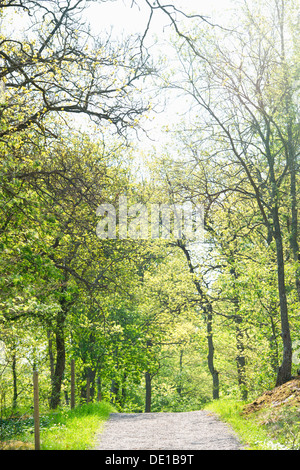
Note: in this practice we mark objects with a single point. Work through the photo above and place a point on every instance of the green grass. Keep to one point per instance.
(62, 430)
(268, 429)
(76, 429)
(250, 430)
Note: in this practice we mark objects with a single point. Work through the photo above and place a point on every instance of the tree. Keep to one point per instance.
(52, 69)
(59, 67)
(240, 94)
(207, 308)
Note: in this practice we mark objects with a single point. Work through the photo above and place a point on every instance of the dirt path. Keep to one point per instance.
(198, 430)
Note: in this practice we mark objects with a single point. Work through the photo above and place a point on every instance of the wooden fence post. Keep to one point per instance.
(72, 383)
(36, 413)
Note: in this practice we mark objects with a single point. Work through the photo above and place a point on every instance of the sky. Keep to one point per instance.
(117, 17)
(132, 20)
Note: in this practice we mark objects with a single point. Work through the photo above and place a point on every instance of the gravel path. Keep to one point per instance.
(198, 430)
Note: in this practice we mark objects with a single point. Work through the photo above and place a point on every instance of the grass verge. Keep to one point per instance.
(61, 430)
(253, 430)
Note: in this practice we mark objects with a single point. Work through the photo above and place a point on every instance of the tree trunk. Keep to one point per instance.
(148, 392)
(294, 210)
(114, 391)
(60, 361)
(210, 358)
(88, 374)
(179, 385)
(15, 386)
(285, 370)
(99, 389)
(51, 358)
(123, 390)
(274, 358)
(240, 359)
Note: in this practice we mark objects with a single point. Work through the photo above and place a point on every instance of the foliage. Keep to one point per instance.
(167, 324)
(63, 430)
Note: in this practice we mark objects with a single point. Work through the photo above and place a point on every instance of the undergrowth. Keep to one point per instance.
(60, 430)
(267, 429)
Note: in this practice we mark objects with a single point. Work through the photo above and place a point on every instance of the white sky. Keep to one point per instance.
(117, 13)
(117, 17)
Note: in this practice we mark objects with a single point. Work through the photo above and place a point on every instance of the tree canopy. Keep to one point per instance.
(154, 322)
